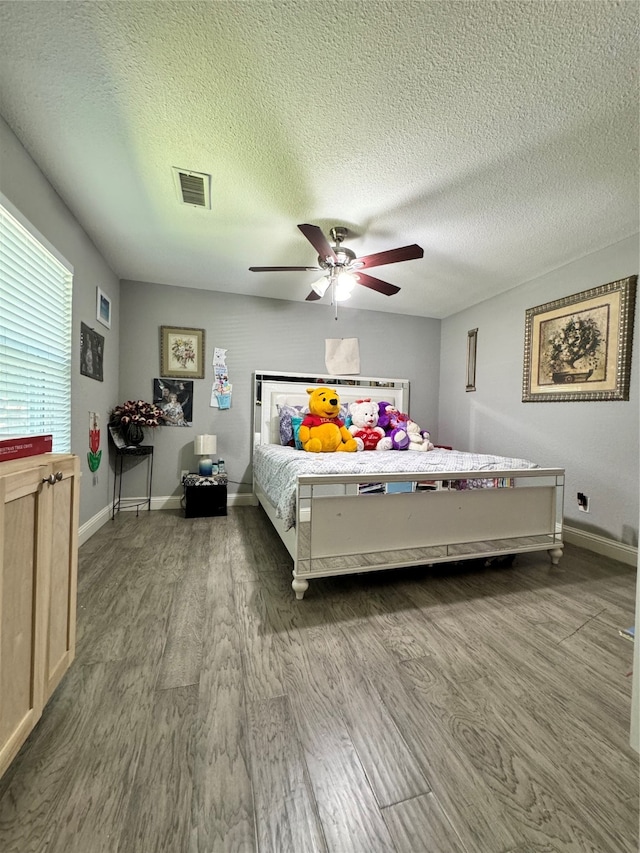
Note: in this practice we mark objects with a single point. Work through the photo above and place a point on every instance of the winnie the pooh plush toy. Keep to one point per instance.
(364, 426)
(322, 431)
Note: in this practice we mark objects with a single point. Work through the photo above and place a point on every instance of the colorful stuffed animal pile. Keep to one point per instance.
(404, 433)
(322, 431)
(364, 426)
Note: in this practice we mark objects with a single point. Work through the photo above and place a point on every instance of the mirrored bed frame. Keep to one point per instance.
(351, 522)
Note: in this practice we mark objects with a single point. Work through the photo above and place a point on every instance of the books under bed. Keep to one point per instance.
(342, 513)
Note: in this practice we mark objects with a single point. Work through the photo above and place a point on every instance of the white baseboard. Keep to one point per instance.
(174, 501)
(601, 545)
(243, 500)
(86, 530)
(94, 524)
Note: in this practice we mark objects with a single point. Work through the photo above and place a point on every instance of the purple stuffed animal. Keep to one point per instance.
(395, 424)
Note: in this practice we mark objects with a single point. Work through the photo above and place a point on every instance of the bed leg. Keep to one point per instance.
(555, 554)
(299, 586)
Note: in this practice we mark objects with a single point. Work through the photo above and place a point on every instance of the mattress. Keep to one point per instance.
(276, 468)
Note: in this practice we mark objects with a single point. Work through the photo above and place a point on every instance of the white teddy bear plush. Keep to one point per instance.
(364, 426)
(418, 439)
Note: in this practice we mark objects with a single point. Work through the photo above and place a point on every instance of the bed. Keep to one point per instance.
(345, 513)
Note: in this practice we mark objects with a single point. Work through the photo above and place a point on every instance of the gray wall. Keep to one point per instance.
(258, 334)
(22, 182)
(597, 443)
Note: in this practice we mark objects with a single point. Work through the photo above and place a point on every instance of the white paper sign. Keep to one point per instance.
(342, 355)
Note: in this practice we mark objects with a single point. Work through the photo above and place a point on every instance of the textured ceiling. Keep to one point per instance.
(500, 136)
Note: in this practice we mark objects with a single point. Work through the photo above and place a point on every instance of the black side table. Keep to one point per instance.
(205, 496)
(121, 453)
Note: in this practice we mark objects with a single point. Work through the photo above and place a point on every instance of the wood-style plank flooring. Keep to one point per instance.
(457, 709)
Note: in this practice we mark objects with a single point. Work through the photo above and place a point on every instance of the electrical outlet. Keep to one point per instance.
(583, 502)
(183, 474)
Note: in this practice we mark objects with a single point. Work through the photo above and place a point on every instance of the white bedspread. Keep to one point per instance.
(276, 468)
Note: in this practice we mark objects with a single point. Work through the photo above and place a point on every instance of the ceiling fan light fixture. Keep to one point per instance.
(344, 284)
(320, 286)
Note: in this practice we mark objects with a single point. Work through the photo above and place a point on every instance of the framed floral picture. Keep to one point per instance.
(579, 348)
(181, 352)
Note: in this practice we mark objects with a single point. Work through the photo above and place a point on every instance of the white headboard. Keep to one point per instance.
(271, 389)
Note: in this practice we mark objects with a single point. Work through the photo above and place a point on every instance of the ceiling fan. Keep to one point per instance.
(342, 269)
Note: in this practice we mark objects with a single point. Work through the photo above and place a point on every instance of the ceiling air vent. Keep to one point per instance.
(192, 187)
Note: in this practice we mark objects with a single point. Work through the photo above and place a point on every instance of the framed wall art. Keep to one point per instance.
(579, 348)
(472, 348)
(181, 352)
(91, 352)
(175, 398)
(103, 308)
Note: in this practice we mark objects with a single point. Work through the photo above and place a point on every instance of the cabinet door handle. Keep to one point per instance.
(52, 479)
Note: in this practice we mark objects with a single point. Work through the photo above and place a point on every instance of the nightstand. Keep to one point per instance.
(205, 496)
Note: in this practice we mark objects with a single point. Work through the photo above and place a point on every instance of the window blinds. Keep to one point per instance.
(35, 334)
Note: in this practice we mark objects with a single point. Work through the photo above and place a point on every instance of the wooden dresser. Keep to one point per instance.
(39, 503)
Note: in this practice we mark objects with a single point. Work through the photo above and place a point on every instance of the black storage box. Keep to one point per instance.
(205, 496)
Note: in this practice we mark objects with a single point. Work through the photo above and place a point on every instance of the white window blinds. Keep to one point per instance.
(36, 286)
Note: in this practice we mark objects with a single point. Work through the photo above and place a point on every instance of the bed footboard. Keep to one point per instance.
(346, 526)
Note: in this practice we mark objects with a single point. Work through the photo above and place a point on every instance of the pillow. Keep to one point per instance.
(285, 413)
(344, 415)
(296, 420)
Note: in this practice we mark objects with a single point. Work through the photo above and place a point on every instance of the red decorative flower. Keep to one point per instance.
(137, 412)
(94, 440)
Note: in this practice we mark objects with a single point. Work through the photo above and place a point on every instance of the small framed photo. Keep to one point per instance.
(472, 348)
(181, 352)
(579, 348)
(175, 398)
(103, 308)
(117, 437)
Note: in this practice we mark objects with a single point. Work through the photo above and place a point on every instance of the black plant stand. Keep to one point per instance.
(121, 453)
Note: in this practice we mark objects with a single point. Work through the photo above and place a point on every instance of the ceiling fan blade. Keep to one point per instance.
(391, 256)
(313, 296)
(282, 269)
(319, 242)
(376, 284)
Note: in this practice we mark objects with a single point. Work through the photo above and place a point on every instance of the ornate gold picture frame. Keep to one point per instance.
(181, 352)
(579, 348)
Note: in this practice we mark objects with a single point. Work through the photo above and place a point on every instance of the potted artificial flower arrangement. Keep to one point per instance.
(131, 418)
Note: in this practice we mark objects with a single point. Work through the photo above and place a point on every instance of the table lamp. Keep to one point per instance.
(205, 446)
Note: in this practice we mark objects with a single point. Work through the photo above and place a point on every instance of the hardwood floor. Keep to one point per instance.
(458, 709)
